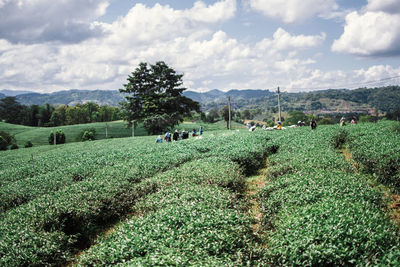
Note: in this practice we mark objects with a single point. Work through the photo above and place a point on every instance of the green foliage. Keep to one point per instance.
(14, 146)
(317, 211)
(154, 97)
(6, 140)
(377, 148)
(340, 138)
(187, 204)
(366, 118)
(295, 116)
(7, 137)
(10, 110)
(224, 112)
(393, 115)
(396, 128)
(28, 144)
(192, 215)
(49, 210)
(60, 137)
(325, 121)
(88, 134)
(3, 143)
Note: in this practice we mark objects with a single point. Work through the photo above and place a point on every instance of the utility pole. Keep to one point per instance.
(279, 104)
(229, 112)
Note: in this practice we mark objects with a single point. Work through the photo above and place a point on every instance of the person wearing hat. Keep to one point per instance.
(279, 126)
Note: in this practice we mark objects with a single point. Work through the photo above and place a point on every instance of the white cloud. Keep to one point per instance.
(188, 40)
(32, 21)
(144, 24)
(290, 11)
(388, 6)
(144, 34)
(370, 34)
(282, 40)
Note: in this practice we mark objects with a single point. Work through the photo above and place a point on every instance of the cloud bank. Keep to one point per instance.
(101, 55)
(33, 21)
(373, 31)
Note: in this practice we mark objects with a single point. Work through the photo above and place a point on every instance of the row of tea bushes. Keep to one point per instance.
(140, 160)
(21, 187)
(376, 147)
(48, 229)
(193, 219)
(318, 212)
(71, 158)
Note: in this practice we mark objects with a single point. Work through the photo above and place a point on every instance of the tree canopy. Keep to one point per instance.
(154, 97)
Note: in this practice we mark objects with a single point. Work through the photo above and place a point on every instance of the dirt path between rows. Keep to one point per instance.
(253, 185)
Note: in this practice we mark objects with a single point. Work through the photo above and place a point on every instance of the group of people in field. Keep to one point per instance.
(313, 124)
(343, 121)
(178, 135)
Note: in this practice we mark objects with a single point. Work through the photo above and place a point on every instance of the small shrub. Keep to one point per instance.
(88, 134)
(3, 143)
(340, 138)
(5, 140)
(28, 144)
(14, 146)
(60, 137)
(8, 137)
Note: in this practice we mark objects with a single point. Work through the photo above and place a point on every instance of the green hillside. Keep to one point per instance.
(324, 101)
(116, 129)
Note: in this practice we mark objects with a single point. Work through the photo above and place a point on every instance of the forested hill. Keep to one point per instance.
(327, 101)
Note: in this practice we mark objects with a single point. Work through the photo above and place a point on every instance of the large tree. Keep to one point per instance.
(154, 97)
(10, 110)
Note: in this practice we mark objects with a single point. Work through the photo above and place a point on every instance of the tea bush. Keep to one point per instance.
(65, 197)
(191, 219)
(28, 144)
(317, 211)
(376, 147)
(60, 137)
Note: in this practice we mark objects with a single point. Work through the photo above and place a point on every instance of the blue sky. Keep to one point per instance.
(299, 45)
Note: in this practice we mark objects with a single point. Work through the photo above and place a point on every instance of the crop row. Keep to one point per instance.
(193, 218)
(50, 227)
(82, 165)
(317, 211)
(376, 147)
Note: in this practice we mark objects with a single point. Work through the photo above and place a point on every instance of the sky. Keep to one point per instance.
(298, 45)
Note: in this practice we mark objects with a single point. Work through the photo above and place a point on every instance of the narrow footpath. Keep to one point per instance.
(253, 185)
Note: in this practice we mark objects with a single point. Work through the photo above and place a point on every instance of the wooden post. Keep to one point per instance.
(229, 112)
(133, 128)
(279, 104)
(106, 130)
(55, 137)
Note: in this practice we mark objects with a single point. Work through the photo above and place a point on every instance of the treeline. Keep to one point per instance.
(385, 99)
(48, 116)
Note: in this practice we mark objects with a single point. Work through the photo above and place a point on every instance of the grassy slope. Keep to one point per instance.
(116, 129)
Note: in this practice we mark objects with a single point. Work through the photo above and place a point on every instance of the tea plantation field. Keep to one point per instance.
(115, 129)
(132, 202)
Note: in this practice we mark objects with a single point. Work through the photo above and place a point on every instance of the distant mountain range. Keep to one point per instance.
(326, 101)
(69, 97)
